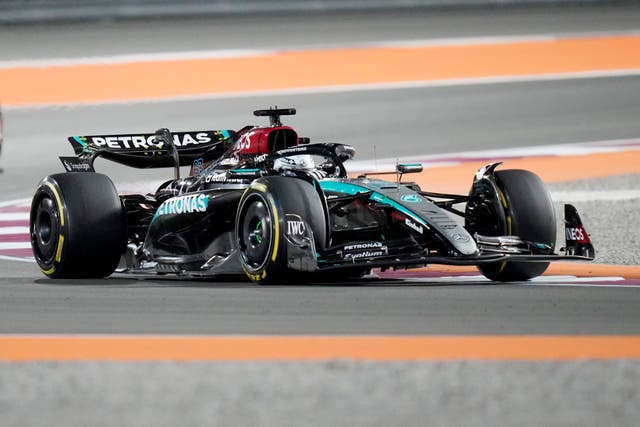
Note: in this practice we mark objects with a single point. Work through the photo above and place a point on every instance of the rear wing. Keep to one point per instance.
(147, 150)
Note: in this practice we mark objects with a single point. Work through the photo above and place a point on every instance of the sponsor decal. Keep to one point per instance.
(244, 143)
(365, 254)
(222, 177)
(261, 158)
(145, 142)
(77, 166)
(360, 246)
(230, 161)
(413, 225)
(460, 237)
(296, 227)
(255, 277)
(183, 204)
(216, 177)
(247, 172)
(73, 164)
(577, 234)
(198, 165)
(411, 198)
(288, 160)
(365, 250)
(293, 150)
(297, 231)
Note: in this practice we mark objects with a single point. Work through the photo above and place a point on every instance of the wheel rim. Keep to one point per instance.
(255, 233)
(483, 208)
(45, 230)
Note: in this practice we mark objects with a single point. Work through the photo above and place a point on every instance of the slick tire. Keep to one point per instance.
(529, 214)
(77, 226)
(260, 225)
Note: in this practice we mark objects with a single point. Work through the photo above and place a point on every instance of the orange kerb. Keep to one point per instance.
(577, 269)
(317, 68)
(255, 348)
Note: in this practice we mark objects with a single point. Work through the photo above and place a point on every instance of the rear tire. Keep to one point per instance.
(528, 213)
(77, 226)
(260, 225)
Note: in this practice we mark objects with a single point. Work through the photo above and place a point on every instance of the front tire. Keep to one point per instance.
(261, 222)
(77, 226)
(522, 207)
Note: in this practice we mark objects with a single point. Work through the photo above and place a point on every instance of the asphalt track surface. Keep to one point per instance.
(400, 122)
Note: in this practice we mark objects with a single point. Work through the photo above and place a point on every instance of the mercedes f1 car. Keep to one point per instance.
(266, 203)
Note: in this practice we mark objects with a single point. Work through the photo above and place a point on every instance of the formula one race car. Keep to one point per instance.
(264, 202)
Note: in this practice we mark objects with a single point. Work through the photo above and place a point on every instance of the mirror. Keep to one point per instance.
(409, 168)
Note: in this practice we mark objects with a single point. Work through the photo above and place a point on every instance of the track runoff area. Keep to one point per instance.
(440, 62)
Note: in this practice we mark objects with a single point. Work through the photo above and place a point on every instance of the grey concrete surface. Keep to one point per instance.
(335, 393)
(304, 30)
(611, 224)
(611, 227)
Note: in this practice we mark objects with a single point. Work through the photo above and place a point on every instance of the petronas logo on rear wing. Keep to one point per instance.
(146, 141)
(149, 150)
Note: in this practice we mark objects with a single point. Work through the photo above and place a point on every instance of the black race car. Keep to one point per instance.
(264, 202)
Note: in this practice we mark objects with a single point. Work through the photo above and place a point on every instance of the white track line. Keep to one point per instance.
(568, 278)
(600, 195)
(12, 258)
(573, 281)
(15, 245)
(135, 58)
(507, 39)
(18, 202)
(14, 216)
(585, 285)
(14, 230)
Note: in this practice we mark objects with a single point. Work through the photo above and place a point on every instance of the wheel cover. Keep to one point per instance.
(255, 233)
(45, 230)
